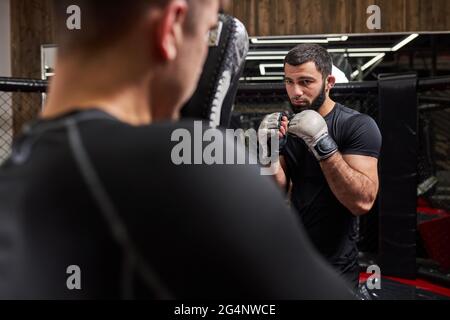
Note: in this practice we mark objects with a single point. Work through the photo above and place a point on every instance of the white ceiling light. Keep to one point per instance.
(265, 58)
(362, 54)
(404, 42)
(286, 41)
(373, 61)
(377, 53)
(337, 50)
(255, 40)
(261, 78)
(281, 57)
(275, 74)
(255, 53)
(397, 47)
(343, 38)
(263, 66)
(369, 50)
(369, 64)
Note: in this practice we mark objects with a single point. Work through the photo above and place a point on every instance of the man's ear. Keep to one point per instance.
(169, 32)
(331, 81)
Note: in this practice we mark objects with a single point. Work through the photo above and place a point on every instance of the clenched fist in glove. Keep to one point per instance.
(277, 121)
(311, 127)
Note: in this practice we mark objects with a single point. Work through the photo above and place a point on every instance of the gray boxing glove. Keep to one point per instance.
(312, 128)
(270, 126)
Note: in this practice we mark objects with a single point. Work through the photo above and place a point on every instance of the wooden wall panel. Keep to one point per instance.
(290, 17)
(32, 25)
(264, 16)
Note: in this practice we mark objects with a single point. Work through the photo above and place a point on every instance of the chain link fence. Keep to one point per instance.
(6, 125)
(255, 101)
(20, 102)
(365, 100)
(434, 147)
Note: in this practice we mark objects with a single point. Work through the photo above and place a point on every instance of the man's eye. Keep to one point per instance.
(287, 81)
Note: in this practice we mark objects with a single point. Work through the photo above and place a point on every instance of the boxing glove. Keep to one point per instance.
(312, 128)
(270, 126)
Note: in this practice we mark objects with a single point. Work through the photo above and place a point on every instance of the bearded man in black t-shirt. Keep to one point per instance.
(328, 158)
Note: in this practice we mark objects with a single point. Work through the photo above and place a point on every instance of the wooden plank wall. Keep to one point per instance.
(291, 17)
(32, 25)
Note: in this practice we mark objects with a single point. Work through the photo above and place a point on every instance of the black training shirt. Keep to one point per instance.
(208, 232)
(329, 224)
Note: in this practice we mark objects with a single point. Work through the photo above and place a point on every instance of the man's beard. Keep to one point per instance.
(315, 105)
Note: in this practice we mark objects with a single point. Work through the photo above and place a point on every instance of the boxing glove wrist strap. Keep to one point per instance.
(325, 148)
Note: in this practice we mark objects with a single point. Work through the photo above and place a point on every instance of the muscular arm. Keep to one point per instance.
(280, 175)
(353, 179)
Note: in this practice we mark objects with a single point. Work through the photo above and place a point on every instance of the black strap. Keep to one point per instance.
(133, 260)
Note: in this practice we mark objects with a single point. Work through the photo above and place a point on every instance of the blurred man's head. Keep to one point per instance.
(308, 77)
(159, 43)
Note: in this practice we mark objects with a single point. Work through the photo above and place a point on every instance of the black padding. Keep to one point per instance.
(22, 85)
(398, 175)
(214, 98)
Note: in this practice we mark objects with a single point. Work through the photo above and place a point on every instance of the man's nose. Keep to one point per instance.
(298, 91)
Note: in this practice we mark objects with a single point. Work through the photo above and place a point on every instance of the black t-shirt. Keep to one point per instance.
(329, 224)
(209, 232)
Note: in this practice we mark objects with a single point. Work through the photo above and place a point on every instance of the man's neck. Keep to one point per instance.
(327, 107)
(74, 88)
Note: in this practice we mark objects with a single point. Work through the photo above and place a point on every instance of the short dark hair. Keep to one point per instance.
(105, 22)
(304, 53)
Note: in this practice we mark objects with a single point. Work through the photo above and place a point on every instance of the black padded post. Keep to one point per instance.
(398, 175)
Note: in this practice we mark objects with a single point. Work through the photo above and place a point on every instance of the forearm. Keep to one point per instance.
(352, 188)
(279, 176)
